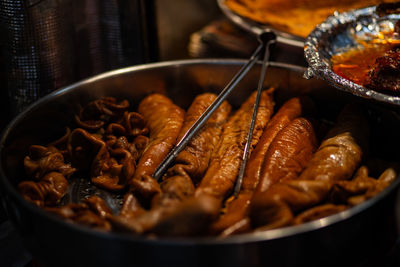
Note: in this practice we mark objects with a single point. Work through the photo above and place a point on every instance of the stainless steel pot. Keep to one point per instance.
(351, 237)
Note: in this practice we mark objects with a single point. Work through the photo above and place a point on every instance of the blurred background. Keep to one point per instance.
(46, 45)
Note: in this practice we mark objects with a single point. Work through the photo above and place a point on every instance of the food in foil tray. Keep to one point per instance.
(376, 65)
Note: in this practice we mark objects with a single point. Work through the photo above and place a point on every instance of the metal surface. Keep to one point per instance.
(340, 33)
(346, 238)
(257, 28)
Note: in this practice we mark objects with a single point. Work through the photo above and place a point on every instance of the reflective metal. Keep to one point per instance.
(347, 238)
(342, 32)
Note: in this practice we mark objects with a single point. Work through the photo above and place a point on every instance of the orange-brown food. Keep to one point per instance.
(237, 209)
(221, 174)
(190, 165)
(118, 150)
(376, 65)
(336, 159)
(47, 192)
(164, 120)
(225, 162)
(298, 17)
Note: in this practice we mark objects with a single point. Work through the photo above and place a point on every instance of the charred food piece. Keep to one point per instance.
(385, 74)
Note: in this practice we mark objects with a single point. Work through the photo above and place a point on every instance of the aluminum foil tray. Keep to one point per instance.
(339, 33)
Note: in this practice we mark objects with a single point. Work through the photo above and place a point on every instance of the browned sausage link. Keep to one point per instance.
(238, 208)
(336, 159)
(220, 177)
(285, 159)
(194, 159)
(290, 110)
(164, 120)
(342, 149)
(190, 164)
(225, 162)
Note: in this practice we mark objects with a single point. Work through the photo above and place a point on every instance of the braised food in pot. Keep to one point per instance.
(301, 168)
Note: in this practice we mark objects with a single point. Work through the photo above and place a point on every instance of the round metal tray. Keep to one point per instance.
(348, 237)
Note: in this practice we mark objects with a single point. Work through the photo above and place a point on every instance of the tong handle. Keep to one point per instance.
(208, 113)
(267, 39)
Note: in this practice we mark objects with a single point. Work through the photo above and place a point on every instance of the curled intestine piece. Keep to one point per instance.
(135, 124)
(46, 192)
(131, 124)
(106, 106)
(92, 125)
(42, 160)
(113, 172)
(286, 157)
(99, 112)
(91, 212)
(140, 143)
(108, 169)
(145, 188)
(361, 187)
(115, 129)
(83, 148)
(136, 147)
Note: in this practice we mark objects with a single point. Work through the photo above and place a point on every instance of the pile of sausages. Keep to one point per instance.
(298, 170)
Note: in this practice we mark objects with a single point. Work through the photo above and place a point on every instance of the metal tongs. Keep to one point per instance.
(266, 39)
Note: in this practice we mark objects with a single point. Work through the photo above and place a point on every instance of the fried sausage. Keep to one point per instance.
(225, 162)
(164, 120)
(194, 159)
(336, 159)
(286, 157)
(290, 110)
(237, 208)
(189, 166)
(220, 177)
